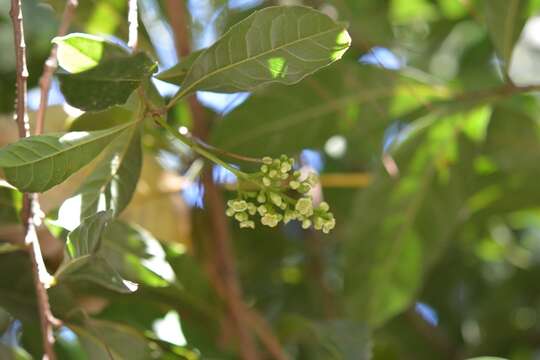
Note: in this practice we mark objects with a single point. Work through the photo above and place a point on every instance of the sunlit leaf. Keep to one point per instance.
(79, 52)
(38, 163)
(276, 44)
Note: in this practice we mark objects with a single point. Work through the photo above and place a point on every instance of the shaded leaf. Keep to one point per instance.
(9, 204)
(86, 238)
(505, 21)
(95, 269)
(400, 225)
(37, 163)
(113, 181)
(277, 44)
(107, 84)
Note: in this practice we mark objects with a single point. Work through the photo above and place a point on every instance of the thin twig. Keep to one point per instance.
(29, 218)
(133, 21)
(50, 66)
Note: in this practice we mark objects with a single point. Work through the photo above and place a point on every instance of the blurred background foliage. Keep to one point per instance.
(426, 136)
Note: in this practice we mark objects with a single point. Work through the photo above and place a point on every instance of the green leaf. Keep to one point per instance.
(86, 238)
(114, 180)
(37, 163)
(85, 263)
(177, 73)
(94, 269)
(13, 353)
(101, 120)
(505, 21)
(113, 340)
(136, 254)
(277, 44)
(9, 205)
(107, 84)
(399, 226)
(79, 52)
(17, 293)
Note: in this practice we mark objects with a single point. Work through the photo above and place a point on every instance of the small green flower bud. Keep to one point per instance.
(306, 224)
(296, 174)
(229, 212)
(264, 168)
(294, 184)
(276, 198)
(252, 209)
(324, 206)
(241, 216)
(266, 181)
(270, 220)
(283, 157)
(329, 225)
(267, 160)
(304, 188)
(239, 206)
(247, 224)
(261, 198)
(285, 167)
(283, 206)
(273, 174)
(318, 223)
(262, 210)
(304, 206)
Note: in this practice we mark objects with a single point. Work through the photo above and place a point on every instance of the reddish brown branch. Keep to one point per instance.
(29, 219)
(50, 66)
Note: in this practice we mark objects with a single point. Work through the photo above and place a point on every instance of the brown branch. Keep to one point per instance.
(29, 212)
(50, 66)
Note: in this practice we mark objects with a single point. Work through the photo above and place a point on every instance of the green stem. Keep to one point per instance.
(200, 150)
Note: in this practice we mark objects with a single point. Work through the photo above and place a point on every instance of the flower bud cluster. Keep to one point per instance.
(273, 205)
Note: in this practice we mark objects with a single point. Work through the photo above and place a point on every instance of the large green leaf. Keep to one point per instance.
(115, 178)
(37, 163)
(85, 263)
(277, 44)
(79, 52)
(109, 83)
(344, 99)
(505, 21)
